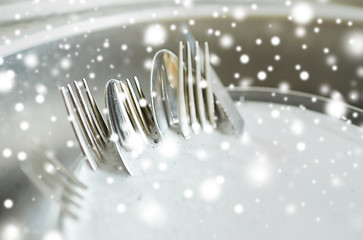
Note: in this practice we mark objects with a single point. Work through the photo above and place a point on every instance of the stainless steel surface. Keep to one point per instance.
(228, 115)
(87, 122)
(204, 101)
(67, 47)
(131, 124)
(175, 82)
(181, 104)
(163, 90)
(100, 142)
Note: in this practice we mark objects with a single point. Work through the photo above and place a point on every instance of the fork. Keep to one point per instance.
(190, 95)
(129, 122)
(97, 142)
(54, 180)
(229, 119)
(202, 108)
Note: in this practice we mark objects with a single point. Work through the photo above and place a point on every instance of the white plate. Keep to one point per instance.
(294, 174)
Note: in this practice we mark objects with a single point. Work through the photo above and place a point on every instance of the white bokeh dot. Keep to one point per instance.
(275, 41)
(238, 208)
(301, 146)
(302, 13)
(220, 179)
(7, 152)
(336, 108)
(163, 166)
(225, 145)
(354, 44)
(143, 102)
(110, 180)
(226, 41)
(8, 203)
(244, 58)
(53, 235)
(121, 208)
(65, 63)
(31, 60)
(21, 156)
(24, 125)
(209, 190)
(261, 75)
(92, 75)
(7, 82)
(39, 98)
(300, 32)
(188, 193)
(290, 209)
(10, 232)
(70, 143)
(275, 113)
(155, 35)
(304, 75)
(100, 58)
(156, 185)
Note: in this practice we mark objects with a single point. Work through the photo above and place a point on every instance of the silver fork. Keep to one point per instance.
(54, 180)
(96, 141)
(229, 119)
(202, 108)
(181, 93)
(187, 94)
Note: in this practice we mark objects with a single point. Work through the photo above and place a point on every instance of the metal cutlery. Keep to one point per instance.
(190, 95)
(229, 119)
(183, 95)
(129, 114)
(91, 130)
(54, 180)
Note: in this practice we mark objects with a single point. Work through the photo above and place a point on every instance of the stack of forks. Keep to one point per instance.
(183, 95)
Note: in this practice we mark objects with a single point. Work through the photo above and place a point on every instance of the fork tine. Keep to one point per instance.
(132, 113)
(53, 184)
(80, 113)
(146, 110)
(65, 173)
(90, 120)
(183, 119)
(53, 179)
(136, 104)
(78, 129)
(209, 91)
(99, 119)
(199, 91)
(192, 112)
(127, 127)
(138, 88)
(46, 190)
(39, 150)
